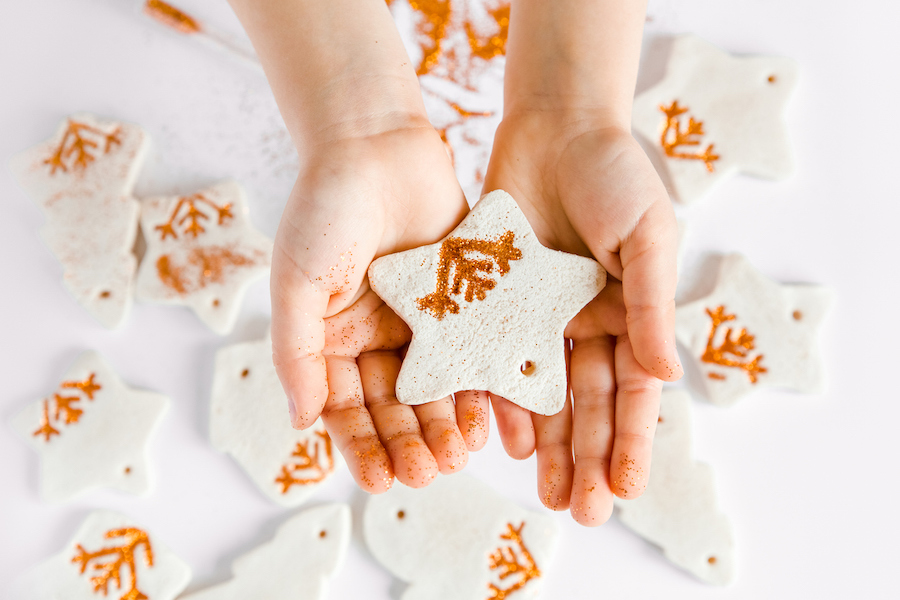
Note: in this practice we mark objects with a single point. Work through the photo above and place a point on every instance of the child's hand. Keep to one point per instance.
(592, 191)
(337, 346)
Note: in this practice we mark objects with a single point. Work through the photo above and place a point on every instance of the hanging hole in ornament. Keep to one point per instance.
(105, 294)
(797, 315)
(215, 303)
(711, 560)
(245, 373)
(772, 79)
(323, 534)
(128, 470)
(401, 514)
(528, 368)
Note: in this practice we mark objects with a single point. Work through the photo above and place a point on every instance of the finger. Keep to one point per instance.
(515, 427)
(298, 338)
(648, 287)
(594, 392)
(553, 442)
(369, 324)
(397, 424)
(473, 417)
(605, 314)
(637, 411)
(438, 423)
(352, 429)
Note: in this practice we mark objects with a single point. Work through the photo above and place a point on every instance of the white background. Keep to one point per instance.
(810, 482)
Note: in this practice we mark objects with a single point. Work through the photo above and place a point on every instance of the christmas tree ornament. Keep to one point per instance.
(92, 431)
(714, 115)
(109, 557)
(751, 332)
(202, 252)
(82, 180)
(249, 420)
(307, 550)
(457, 539)
(678, 511)
(487, 307)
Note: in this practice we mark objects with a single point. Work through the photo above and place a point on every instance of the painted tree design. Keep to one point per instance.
(312, 458)
(456, 267)
(512, 561)
(189, 216)
(732, 351)
(119, 557)
(80, 146)
(65, 409)
(673, 137)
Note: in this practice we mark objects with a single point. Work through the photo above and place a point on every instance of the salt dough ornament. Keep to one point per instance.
(715, 114)
(249, 420)
(752, 332)
(82, 179)
(109, 557)
(307, 550)
(458, 539)
(679, 511)
(92, 431)
(487, 306)
(202, 252)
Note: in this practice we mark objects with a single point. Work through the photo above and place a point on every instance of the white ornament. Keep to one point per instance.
(109, 557)
(752, 332)
(249, 420)
(715, 114)
(307, 550)
(457, 539)
(678, 511)
(82, 179)
(92, 431)
(487, 306)
(202, 252)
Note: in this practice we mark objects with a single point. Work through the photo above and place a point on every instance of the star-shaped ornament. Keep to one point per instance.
(92, 431)
(487, 306)
(82, 179)
(109, 557)
(752, 332)
(249, 420)
(202, 252)
(715, 114)
(678, 511)
(458, 538)
(310, 546)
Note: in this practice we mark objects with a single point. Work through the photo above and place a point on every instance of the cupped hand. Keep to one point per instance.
(590, 190)
(337, 347)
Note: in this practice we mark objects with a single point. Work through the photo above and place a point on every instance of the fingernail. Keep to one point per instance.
(292, 410)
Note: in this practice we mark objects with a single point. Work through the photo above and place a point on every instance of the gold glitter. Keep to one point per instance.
(738, 348)
(88, 386)
(432, 29)
(509, 562)
(170, 16)
(496, 44)
(122, 556)
(209, 266)
(453, 258)
(193, 215)
(65, 412)
(684, 138)
(64, 404)
(79, 143)
(716, 376)
(320, 462)
(46, 429)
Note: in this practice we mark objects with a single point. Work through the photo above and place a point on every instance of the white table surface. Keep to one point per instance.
(810, 482)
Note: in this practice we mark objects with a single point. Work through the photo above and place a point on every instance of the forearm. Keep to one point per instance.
(337, 68)
(574, 55)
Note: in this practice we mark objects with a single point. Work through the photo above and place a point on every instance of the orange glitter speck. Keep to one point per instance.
(511, 562)
(205, 265)
(738, 348)
(172, 17)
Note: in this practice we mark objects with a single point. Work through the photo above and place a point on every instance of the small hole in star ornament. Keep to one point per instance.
(216, 303)
(528, 368)
(772, 79)
(245, 373)
(711, 560)
(105, 294)
(401, 514)
(128, 470)
(323, 534)
(797, 315)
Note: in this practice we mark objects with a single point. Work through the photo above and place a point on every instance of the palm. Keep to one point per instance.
(337, 347)
(595, 193)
